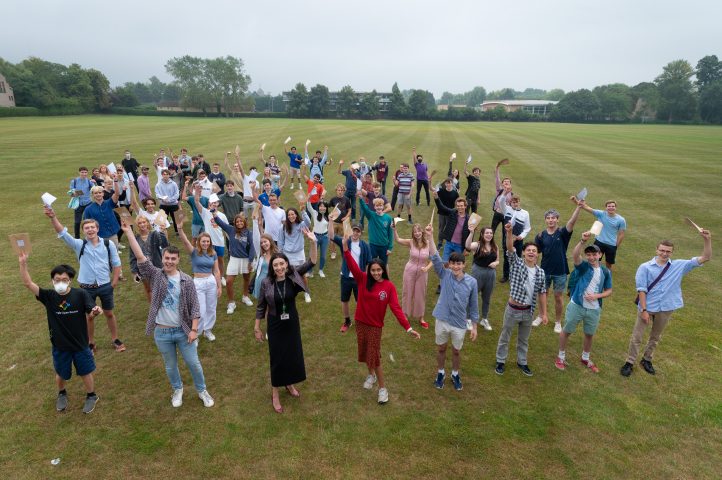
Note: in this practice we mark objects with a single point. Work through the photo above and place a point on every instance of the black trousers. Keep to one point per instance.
(425, 184)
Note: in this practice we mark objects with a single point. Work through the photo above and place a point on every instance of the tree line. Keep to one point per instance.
(680, 93)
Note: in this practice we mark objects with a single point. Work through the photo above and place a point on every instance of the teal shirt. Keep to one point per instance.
(380, 231)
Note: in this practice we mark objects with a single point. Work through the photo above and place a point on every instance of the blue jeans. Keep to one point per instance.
(167, 339)
(322, 244)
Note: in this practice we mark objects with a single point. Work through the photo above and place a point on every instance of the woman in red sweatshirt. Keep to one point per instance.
(375, 293)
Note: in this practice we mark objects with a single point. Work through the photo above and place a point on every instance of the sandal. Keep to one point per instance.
(119, 346)
(294, 393)
(277, 410)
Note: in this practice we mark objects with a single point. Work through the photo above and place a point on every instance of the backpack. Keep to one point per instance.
(107, 247)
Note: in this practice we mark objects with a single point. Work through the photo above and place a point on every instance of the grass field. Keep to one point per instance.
(571, 424)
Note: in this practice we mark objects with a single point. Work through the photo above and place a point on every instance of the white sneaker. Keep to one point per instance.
(485, 323)
(557, 327)
(369, 383)
(299, 186)
(291, 185)
(207, 399)
(209, 335)
(321, 274)
(307, 297)
(383, 396)
(223, 281)
(309, 275)
(231, 308)
(121, 246)
(177, 399)
(247, 301)
(537, 321)
(333, 255)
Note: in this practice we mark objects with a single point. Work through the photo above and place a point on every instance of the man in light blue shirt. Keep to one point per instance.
(98, 272)
(80, 187)
(659, 285)
(613, 228)
(458, 301)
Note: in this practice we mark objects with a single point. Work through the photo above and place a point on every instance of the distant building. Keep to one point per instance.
(7, 99)
(535, 107)
(383, 98)
(443, 107)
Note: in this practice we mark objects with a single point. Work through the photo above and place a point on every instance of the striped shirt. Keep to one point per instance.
(405, 181)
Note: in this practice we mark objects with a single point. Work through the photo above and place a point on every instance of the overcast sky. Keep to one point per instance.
(433, 45)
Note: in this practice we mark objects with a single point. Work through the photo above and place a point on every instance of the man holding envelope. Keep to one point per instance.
(612, 232)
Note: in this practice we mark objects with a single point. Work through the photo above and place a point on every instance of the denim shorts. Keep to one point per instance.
(105, 292)
(63, 362)
(220, 251)
(449, 248)
(559, 281)
(196, 230)
(588, 317)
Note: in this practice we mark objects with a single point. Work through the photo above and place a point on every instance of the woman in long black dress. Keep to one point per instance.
(277, 303)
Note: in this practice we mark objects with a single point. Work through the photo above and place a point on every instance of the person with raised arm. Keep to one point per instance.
(593, 283)
(351, 184)
(503, 196)
(277, 305)
(381, 235)
(294, 162)
(320, 229)
(173, 316)
(240, 242)
(526, 287)
(614, 227)
(483, 267)
(210, 226)
(69, 311)
(152, 242)
(416, 274)
(290, 240)
(659, 286)
(206, 278)
(317, 162)
(472, 195)
(376, 293)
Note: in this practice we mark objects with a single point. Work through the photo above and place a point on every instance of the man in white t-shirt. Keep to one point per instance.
(273, 216)
(593, 282)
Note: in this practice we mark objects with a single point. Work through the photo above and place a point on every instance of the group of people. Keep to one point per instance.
(242, 213)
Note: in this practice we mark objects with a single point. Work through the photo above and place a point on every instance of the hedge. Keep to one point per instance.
(19, 112)
(166, 113)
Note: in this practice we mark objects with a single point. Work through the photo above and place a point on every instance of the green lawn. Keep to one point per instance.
(571, 424)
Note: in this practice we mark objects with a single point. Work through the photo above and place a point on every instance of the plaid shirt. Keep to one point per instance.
(518, 276)
(188, 307)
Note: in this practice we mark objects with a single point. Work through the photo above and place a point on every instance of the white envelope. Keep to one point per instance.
(47, 199)
(253, 174)
(453, 156)
(596, 227)
(287, 140)
(468, 159)
(308, 142)
(111, 168)
(263, 147)
(359, 185)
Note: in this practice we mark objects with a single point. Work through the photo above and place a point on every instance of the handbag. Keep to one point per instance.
(651, 285)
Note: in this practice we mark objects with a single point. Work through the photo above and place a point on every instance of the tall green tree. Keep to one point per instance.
(319, 101)
(676, 92)
(188, 73)
(346, 102)
(369, 105)
(616, 101)
(475, 97)
(298, 101)
(579, 106)
(554, 94)
(710, 102)
(646, 100)
(421, 104)
(226, 81)
(101, 89)
(156, 88)
(708, 71)
(397, 107)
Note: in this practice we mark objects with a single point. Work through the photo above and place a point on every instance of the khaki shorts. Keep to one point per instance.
(237, 266)
(444, 332)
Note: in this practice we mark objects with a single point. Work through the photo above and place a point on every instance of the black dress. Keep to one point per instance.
(284, 337)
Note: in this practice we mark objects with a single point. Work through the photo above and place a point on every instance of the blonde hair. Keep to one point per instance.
(423, 242)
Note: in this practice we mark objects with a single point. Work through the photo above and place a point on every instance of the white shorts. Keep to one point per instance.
(296, 259)
(444, 332)
(237, 266)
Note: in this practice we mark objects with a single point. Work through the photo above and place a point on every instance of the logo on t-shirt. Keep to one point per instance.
(382, 295)
(64, 305)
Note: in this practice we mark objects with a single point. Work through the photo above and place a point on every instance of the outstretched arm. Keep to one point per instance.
(133, 242)
(575, 216)
(707, 250)
(509, 237)
(401, 241)
(577, 252)
(25, 275)
(470, 244)
(184, 239)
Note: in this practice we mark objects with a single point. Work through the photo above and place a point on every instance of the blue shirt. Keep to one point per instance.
(264, 196)
(667, 293)
(197, 220)
(585, 272)
(294, 160)
(105, 216)
(94, 268)
(84, 185)
(458, 299)
(351, 179)
(612, 225)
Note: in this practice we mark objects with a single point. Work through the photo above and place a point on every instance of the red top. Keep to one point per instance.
(314, 197)
(371, 305)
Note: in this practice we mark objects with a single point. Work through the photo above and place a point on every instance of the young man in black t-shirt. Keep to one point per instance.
(68, 310)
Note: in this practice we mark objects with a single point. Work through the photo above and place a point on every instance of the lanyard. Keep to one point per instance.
(282, 294)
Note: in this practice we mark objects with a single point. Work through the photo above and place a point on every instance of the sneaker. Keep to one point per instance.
(321, 274)
(369, 383)
(537, 321)
(457, 382)
(291, 185)
(90, 402)
(557, 327)
(333, 255)
(499, 368)
(223, 281)
(309, 275)
(485, 323)
(439, 382)
(177, 398)
(345, 327)
(61, 403)
(231, 308)
(121, 246)
(560, 364)
(209, 335)
(383, 396)
(299, 186)
(647, 366)
(504, 280)
(626, 369)
(525, 370)
(590, 365)
(307, 297)
(424, 324)
(118, 345)
(207, 399)
(247, 301)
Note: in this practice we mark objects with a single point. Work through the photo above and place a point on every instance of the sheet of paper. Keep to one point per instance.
(308, 142)
(335, 213)
(47, 199)
(468, 159)
(20, 242)
(453, 156)
(287, 140)
(238, 150)
(397, 220)
(582, 195)
(694, 225)
(111, 168)
(596, 228)
(263, 147)
(300, 196)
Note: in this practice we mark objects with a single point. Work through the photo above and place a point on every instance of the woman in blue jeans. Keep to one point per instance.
(173, 317)
(320, 229)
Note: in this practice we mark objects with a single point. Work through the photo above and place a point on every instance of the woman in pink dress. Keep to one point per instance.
(416, 274)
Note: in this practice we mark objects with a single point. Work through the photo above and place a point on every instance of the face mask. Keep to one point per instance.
(127, 155)
(61, 287)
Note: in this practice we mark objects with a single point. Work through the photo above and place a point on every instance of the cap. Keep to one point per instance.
(592, 248)
(213, 198)
(357, 226)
